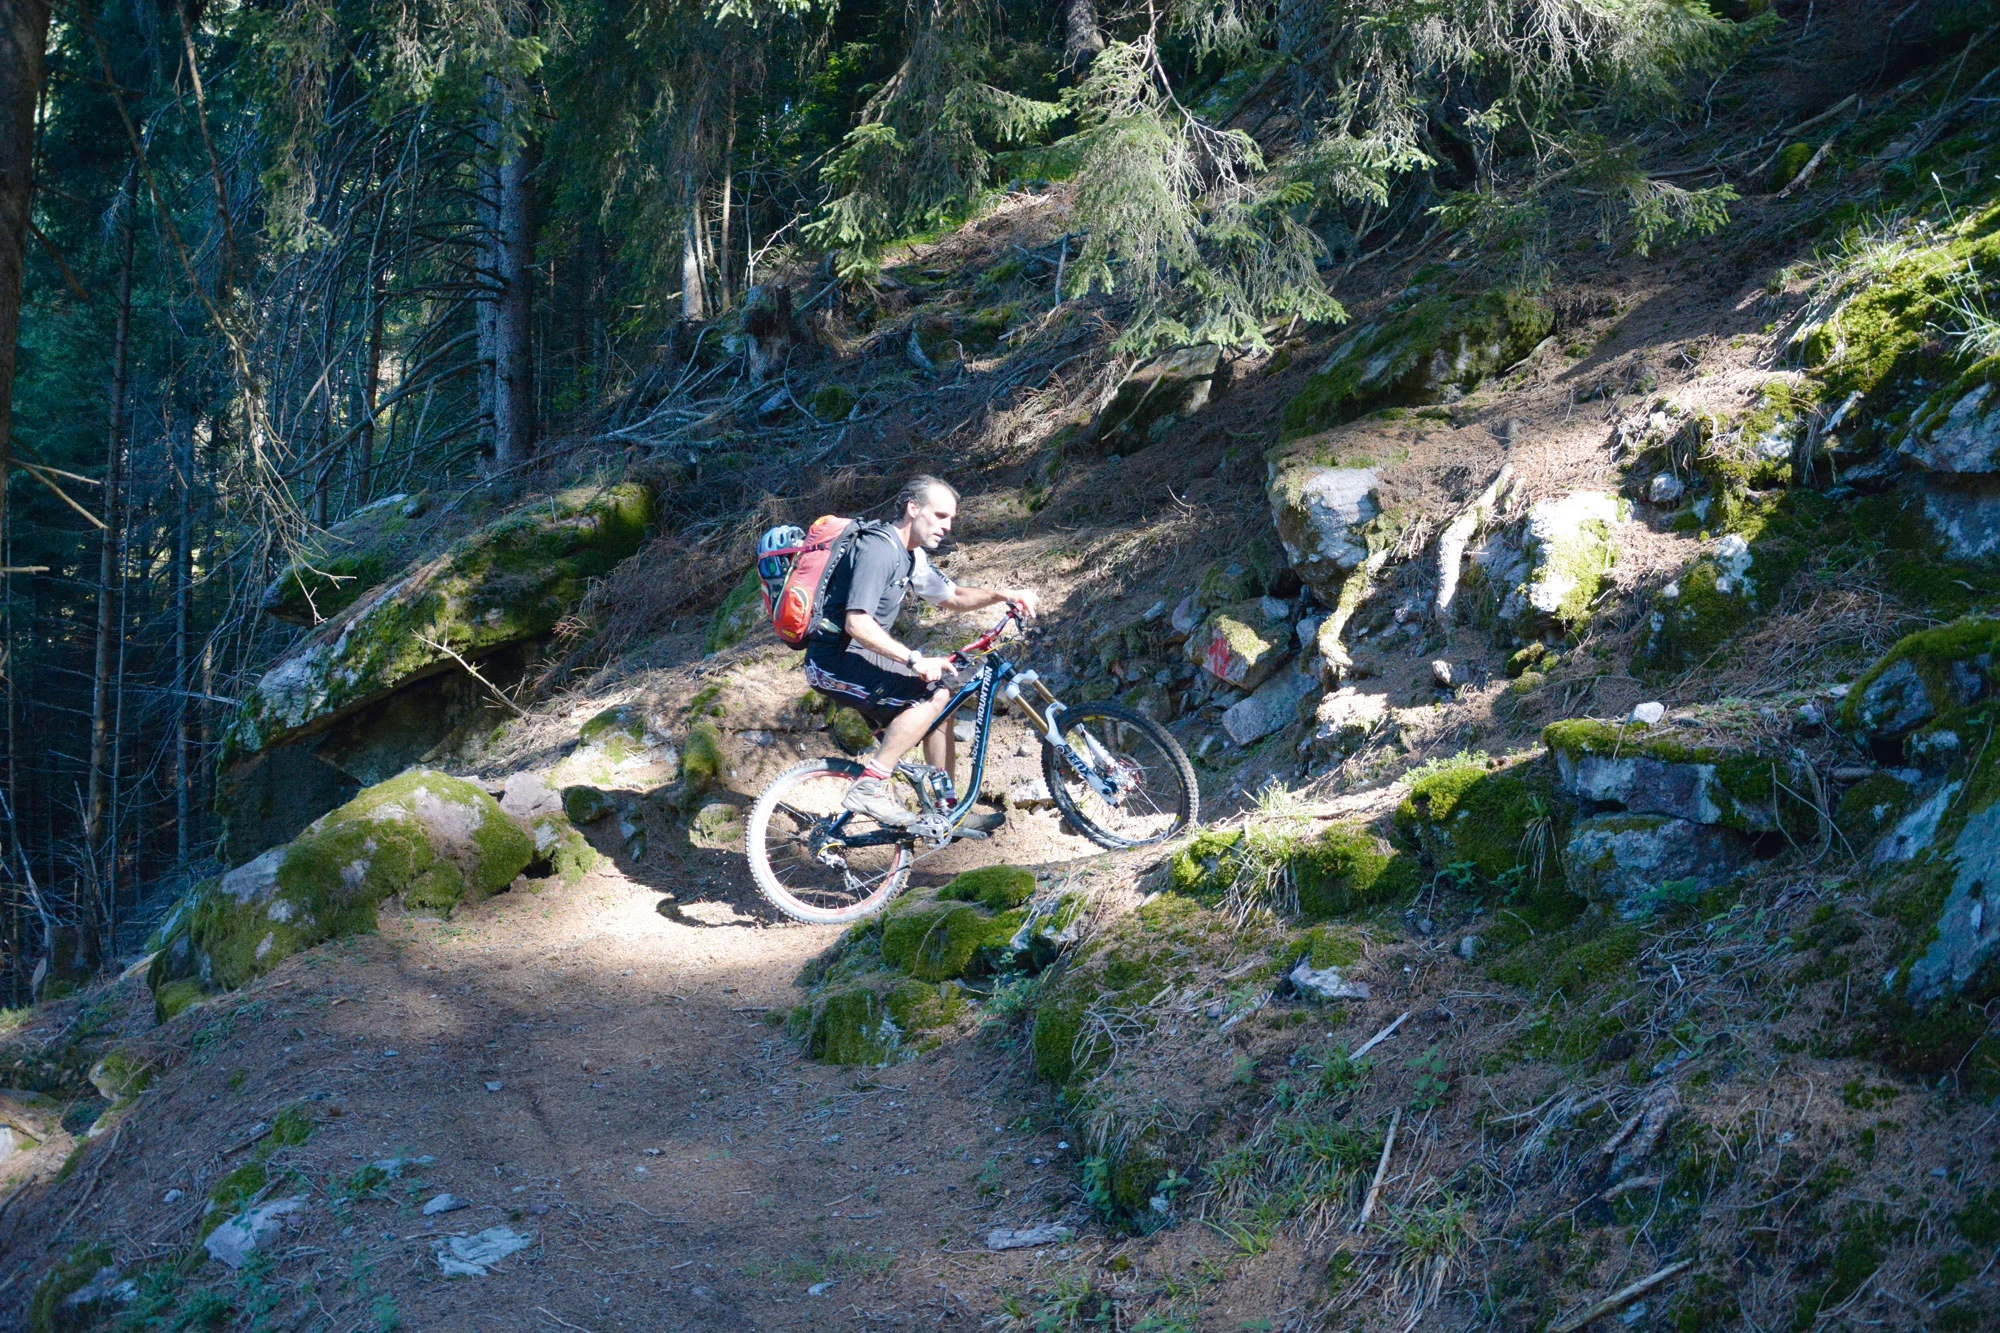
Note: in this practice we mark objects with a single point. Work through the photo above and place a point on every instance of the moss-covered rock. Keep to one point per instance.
(1429, 343)
(874, 1025)
(77, 1291)
(431, 839)
(511, 580)
(1570, 544)
(1498, 822)
(1650, 770)
(1242, 645)
(120, 1074)
(717, 826)
(1636, 865)
(585, 804)
(703, 762)
(560, 850)
(995, 888)
(1156, 396)
(850, 731)
(1330, 873)
(943, 941)
(741, 612)
(1328, 511)
(1929, 679)
(348, 559)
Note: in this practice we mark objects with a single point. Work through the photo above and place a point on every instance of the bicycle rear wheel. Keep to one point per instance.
(816, 862)
(1154, 796)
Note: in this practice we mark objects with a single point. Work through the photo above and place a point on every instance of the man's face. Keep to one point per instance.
(931, 520)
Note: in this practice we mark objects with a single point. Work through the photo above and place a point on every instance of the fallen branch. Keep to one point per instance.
(1379, 1037)
(1621, 1298)
(1459, 532)
(473, 672)
(1805, 172)
(1381, 1167)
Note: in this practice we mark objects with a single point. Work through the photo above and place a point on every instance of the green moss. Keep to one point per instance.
(829, 402)
(562, 851)
(231, 1194)
(741, 612)
(1487, 819)
(1870, 808)
(1792, 159)
(1526, 658)
(702, 761)
(850, 731)
(851, 1027)
(1395, 360)
(917, 1006)
(1057, 1024)
(1970, 646)
(70, 1274)
(935, 942)
(1572, 961)
(585, 805)
(121, 1074)
(334, 875)
(292, 1126)
(353, 556)
(996, 888)
(509, 581)
(1346, 869)
(1329, 946)
(173, 998)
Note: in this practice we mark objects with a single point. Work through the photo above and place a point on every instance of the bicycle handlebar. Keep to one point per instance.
(962, 657)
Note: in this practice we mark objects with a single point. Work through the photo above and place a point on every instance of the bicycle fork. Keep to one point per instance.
(1045, 718)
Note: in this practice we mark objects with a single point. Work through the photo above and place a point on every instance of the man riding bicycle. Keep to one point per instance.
(853, 659)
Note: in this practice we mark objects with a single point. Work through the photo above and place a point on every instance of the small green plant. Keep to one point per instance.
(1433, 1079)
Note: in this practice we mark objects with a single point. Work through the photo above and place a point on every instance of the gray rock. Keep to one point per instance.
(1916, 830)
(444, 1203)
(1570, 544)
(1468, 946)
(474, 1256)
(1321, 514)
(1273, 705)
(1156, 396)
(1344, 721)
(1966, 518)
(1623, 860)
(1966, 442)
(104, 1288)
(1187, 614)
(1048, 1233)
(1895, 703)
(1969, 925)
(1325, 983)
(1155, 611)
(1647, 714)
(1441, 674)
(1029, 794)
(1666, 489)
(528, 795)
(1644, 785)
(241, 1236)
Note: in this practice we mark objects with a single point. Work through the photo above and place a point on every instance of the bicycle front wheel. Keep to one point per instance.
(1149, 786)
(814, 861)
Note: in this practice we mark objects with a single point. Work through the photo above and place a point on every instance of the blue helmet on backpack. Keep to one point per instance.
(776, 550)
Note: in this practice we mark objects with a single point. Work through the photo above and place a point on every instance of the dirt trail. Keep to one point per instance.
(598, 1075)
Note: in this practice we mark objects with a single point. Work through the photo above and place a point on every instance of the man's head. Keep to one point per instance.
(926, 507)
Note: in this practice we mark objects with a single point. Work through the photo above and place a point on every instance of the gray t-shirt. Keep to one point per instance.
(877, 573)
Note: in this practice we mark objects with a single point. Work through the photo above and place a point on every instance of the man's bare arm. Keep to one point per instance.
(967, 598)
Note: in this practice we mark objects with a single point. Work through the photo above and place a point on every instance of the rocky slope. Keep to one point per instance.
(1593, 690)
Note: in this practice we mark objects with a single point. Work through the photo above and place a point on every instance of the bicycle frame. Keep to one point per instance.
(995, 677)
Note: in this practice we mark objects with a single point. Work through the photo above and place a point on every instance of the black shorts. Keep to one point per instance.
(875, 691)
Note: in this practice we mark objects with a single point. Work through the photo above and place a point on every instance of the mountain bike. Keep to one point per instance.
(1117, 777)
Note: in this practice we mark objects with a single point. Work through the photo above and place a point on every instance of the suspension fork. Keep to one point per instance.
(1044, 710)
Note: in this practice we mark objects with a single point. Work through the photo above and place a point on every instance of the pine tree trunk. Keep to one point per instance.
(183, 576)
(24, 36)
(513, 329)
(692, 307)
(723, 285)
(371, 387)
(108, 546)
(1083, 36)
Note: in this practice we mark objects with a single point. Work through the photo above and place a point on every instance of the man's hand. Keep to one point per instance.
(929, 670)
(1024, 598)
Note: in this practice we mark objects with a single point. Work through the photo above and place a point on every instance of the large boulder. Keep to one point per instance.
(1956, 445)
(1968, 928)
(1272, 707)
(353, 556)
(1635, 864)
(1570, 544)
(432, 840)
(378, 685)
(1428, 347)
(1646, 770)
(1156, 396)
(1329, 517)
(1920, 687)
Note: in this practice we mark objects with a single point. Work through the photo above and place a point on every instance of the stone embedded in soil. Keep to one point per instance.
(513, 579)
(432, 839)
(1570, 544)
(474, 1256)
(1623, 860)
(1968, 930)
(585, 804)
(1239, 645)
(526, 795)
(1344, 720)
(241, 1236)
(1326, 517)
(1048, 1233)
(1325, 983)
(1272, 707)
(444, 1203)
(1965, 441)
